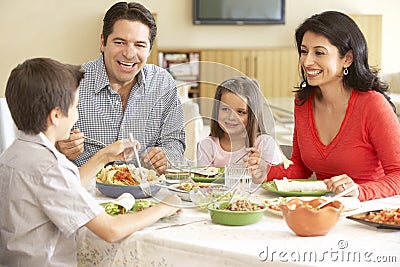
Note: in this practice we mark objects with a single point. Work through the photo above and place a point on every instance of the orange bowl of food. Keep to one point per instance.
(305, 219)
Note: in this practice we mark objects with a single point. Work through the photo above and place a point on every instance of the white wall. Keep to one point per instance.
(69, 30)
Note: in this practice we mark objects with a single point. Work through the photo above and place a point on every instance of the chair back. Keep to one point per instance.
(8, 130)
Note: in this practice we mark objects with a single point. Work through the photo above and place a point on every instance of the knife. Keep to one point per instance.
(180, 224)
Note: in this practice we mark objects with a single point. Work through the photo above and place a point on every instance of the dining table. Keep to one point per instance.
(192, 239)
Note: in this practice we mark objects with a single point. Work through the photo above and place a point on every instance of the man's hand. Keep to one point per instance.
(73, 146)
(156, 159)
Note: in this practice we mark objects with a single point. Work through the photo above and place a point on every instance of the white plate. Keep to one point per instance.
(351, 204)
(184, 195)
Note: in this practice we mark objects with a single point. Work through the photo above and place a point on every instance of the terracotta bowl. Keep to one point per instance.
(306, 220)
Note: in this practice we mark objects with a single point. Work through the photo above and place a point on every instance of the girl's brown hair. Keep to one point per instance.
(250, 90)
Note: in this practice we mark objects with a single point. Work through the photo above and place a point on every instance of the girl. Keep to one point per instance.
(238, 132)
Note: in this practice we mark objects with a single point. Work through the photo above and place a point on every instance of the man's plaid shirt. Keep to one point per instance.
(153, 113)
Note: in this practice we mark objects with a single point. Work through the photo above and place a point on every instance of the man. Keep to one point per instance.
(121, 94)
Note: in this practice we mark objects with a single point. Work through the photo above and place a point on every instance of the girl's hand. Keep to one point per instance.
(339, 183)
(253, 159)
(259, 168)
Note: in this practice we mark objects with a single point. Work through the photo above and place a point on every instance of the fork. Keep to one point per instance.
(247, 153)
(144, 184)
(93, 140)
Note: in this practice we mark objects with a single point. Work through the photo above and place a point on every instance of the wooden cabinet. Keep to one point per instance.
(371, 26)
(153, 58)
(276, 70)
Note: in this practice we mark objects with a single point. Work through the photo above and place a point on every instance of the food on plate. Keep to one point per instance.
(349, 203)
(273, 204)
(181, 173)
(243, 205)
(176, 174)
(189, 186)
(123, 174)
(114, 209)
(287, 185)
(125, 200)
(385, 216)
(201, 193)
(208, 172)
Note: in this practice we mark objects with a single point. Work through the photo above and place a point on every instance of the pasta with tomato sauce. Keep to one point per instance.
(124, 174)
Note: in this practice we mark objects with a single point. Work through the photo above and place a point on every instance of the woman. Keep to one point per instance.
(346, 130)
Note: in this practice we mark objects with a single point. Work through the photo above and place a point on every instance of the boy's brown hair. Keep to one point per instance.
(37, 86)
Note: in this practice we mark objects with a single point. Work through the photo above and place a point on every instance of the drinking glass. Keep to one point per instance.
(238, 176)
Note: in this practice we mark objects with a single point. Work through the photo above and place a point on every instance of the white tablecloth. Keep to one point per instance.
(267, 243)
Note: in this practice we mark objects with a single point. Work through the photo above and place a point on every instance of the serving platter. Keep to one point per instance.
(358, 218)
(271, 187)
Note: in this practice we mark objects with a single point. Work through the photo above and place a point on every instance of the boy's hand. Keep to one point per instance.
(73, 146)
(171, 205)
(120, 150)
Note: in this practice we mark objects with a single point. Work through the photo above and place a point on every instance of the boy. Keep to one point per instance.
(43, 202)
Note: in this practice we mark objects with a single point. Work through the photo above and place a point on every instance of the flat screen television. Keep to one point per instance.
(238, 11)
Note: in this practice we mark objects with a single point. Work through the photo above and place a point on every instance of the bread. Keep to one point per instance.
(286, 185)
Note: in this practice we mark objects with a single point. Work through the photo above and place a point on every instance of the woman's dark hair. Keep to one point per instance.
(37, 86)
(250, 90)
(345, 35)
(129, 11)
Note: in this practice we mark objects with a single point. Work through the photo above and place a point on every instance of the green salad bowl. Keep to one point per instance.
(220, 215)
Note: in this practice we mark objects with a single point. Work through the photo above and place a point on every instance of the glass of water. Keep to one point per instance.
(238, 176)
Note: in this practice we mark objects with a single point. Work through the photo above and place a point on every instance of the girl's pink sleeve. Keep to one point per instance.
(205, 152)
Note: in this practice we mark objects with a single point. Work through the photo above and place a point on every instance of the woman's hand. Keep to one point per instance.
(339, 183)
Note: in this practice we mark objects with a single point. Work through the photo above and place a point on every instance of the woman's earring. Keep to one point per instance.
(345, 71)
(303, 83)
